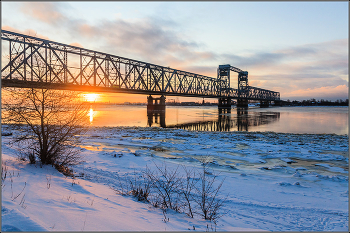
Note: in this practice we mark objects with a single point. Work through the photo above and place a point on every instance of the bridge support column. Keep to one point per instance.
(224, 105)
(155, 105)
(242, 103)
(155, 110)
(264, 104)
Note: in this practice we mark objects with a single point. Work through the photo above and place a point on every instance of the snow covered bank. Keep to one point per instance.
(274, 182)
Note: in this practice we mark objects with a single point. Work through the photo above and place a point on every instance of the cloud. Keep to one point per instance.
(251, 60)
(326, 55)
(146, 39)
(309, 67)
(295, 69)
(47, 12)
(76, 45)
(327, 92)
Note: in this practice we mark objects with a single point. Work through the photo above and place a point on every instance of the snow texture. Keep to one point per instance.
(273, 182)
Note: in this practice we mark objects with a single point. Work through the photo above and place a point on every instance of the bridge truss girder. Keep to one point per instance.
(36, 62)
(244, 91)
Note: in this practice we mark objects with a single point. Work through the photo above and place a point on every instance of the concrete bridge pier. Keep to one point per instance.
(264, 104)
(242, 103)
(224, 105)
(155, 105)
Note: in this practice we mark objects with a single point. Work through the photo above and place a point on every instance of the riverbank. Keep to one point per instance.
(272, 181)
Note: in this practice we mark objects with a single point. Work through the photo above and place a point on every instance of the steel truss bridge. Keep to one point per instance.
(30, 62)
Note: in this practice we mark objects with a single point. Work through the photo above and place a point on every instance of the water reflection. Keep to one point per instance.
(224, 122)
(279, 119)
(91, 115)
(159, 119)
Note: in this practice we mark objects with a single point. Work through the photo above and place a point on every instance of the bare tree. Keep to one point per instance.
(49, 121)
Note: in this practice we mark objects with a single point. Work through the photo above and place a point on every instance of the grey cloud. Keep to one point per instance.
(149, 39)
(257, 59)
(302, 81)
(145, 40)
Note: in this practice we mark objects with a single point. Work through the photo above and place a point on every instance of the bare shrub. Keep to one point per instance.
(140, 187)
(193, 193)
(166, 184)
(49, 121)
(208, 202)
(64, 170)
(122, 188)
(187, 188)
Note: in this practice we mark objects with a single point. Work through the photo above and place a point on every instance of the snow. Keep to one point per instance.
(273, 182)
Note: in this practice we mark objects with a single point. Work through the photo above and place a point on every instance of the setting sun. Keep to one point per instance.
(91, 97)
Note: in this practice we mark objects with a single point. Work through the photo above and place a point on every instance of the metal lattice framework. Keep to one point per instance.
(244, 91)
(39, 63)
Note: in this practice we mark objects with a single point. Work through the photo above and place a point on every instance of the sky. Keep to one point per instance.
(299, 49)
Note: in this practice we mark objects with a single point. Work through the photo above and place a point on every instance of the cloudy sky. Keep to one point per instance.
(299, 49)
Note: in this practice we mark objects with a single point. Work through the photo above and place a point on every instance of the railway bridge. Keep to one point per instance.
(30, 62)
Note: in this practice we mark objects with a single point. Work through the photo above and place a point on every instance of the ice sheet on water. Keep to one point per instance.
(331, 168)
(337, 178)
(287, 160)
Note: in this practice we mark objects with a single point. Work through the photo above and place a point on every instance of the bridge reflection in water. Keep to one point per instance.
(224, 122)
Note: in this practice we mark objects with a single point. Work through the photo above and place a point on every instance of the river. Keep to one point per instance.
(311, 120)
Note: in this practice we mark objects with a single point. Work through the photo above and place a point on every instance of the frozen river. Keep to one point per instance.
(284, 169)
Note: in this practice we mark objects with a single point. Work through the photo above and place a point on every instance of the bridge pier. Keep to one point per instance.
(224, 105)
(242, 103)
(264, 103)
(155, 105)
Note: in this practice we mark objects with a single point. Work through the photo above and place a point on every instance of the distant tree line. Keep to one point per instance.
(314, 102)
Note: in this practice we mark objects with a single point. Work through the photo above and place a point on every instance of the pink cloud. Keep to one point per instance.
(255, 83)
(76, 45)
(87, 30)
(328, 92)
(44, 11)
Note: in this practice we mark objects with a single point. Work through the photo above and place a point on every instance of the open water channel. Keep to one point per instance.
(311, 120)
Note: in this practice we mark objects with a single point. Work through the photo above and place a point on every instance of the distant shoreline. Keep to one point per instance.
(215, 104)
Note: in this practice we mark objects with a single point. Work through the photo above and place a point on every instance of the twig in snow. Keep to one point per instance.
(84, 222)
(25, 184)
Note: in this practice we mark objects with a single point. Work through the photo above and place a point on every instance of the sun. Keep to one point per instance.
(91, 97)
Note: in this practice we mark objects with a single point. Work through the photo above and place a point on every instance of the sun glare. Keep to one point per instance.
(91, 97)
